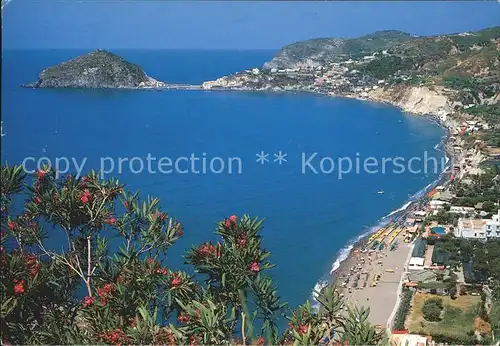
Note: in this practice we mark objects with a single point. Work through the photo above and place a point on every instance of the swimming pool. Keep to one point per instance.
(438, 230)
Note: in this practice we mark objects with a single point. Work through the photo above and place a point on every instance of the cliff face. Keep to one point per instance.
(98, 69)
(417, 100)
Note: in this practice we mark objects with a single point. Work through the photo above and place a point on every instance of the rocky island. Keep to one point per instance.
(96, 70)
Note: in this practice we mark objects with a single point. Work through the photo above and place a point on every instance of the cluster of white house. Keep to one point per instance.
(482, 229)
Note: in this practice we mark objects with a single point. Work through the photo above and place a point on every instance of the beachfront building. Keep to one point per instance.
(410, 234)
(481, 229)
(492, 226)
(462, 210)
(471, 229)
(416, 263)
(413, 219)
(437, 204)
(410, 222)
(418, 255)
(420, 213)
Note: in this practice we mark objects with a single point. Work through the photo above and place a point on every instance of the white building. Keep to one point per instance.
(492, 226)
(482, 229)
(436, 204)
(462, 210)
(418, 255)
(416, 263)
(420, 213)
(471, 229)
(403, 338)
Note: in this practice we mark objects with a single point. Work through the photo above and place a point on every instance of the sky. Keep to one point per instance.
(157, 24)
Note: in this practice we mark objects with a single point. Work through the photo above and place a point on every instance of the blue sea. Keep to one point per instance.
(310, 218)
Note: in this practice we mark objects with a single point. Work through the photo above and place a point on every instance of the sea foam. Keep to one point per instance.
(343, 253)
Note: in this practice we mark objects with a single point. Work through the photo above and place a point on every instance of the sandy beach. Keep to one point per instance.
(371, 278)
(367, 263)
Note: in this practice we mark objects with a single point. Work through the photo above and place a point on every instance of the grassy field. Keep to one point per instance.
(458, 318)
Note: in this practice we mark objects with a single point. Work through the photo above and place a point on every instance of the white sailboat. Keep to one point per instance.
(1, 129)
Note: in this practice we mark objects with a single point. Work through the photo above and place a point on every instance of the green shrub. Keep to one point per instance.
(404, 308)
(432, 309)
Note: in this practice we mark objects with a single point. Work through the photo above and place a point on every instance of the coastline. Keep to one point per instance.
(346, 260)
(387, 294)
(348, 256)
(444, 146)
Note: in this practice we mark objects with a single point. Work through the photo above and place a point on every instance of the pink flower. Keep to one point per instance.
(32, 264)
(176, 281)
(183, 318)
(40, 174)
(242, 241)
(19, 287)
(230, 221)
(11, 225)
(105, 293)
(85, 197)
(110, 221)
(37, 200)
(161, 271)
(88, 301)
(206, 249)
(178, 229)
(302, 329)
(115, 337)
(254, 267)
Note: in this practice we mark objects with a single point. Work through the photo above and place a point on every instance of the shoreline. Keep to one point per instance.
(442, 146)
(348, 257)
(351, 259)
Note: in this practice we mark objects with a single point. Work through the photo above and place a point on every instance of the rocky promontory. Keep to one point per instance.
(97, 70)
(450, 76)
(319, 51)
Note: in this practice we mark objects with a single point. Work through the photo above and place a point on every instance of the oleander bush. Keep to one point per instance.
(84, 261)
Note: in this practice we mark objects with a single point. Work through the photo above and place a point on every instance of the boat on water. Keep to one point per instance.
(381, 192)
(1, 129)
